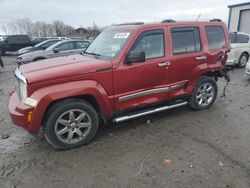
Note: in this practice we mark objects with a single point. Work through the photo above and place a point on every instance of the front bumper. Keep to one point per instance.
(19, 112)
(247, 70)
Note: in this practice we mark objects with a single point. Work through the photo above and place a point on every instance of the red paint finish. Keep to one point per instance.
(107, 81)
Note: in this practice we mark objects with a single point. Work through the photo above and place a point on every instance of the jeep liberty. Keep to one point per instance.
(129, 70)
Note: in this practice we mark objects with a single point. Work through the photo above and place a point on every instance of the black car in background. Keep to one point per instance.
(14, 42)
(41, 46)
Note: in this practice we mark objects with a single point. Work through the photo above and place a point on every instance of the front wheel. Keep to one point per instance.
(71, 123)
(204, 94)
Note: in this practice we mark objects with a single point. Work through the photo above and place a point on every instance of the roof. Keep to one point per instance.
(238, 5)
(177, 23)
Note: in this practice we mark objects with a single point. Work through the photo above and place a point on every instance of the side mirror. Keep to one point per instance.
(133, 57)
(56, 50)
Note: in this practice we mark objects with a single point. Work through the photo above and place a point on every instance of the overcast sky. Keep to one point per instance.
(105, 12)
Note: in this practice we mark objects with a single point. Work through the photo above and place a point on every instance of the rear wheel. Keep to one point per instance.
(204, 94)
(71, 123)
(243, 60)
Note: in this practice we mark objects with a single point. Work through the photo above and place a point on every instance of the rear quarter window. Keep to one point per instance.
(242, 38)
(215, 37)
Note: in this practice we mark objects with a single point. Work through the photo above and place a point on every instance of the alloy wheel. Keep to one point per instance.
(73, 126)
(205, 94)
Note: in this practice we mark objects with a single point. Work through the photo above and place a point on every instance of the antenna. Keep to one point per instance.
(198, 17)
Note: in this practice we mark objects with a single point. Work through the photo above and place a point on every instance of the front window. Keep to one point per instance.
(152, 43)
(108, 44)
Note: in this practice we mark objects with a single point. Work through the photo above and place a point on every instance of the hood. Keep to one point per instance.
(61, 67)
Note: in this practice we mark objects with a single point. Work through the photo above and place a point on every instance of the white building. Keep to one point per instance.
(239, 17)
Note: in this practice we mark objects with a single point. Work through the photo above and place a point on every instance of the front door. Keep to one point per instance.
(143, 83)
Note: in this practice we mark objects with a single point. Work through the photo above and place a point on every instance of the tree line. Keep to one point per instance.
(40, 28)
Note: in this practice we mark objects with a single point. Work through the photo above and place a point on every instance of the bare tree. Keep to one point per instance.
(43, 29)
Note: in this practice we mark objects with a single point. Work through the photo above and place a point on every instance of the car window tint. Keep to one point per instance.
(49, 43)
(185, 40)
(80, 45)
(242, 38)
(215, 37)
(11, 39)
(152, 45)
(66, 46)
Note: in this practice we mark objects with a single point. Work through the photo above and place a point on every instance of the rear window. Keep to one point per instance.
(215, 37)
(186, 40)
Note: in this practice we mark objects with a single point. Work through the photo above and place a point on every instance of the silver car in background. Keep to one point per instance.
(40, 46)
(62, 48)
(239, 54)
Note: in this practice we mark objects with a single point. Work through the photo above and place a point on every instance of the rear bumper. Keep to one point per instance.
(19, 112)
(232, 61)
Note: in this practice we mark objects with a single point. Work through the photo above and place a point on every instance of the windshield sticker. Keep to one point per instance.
(121, 35)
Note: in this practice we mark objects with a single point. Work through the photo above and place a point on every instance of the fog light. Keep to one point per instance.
(29, 117)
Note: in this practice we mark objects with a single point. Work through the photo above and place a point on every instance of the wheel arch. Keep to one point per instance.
(92, 92)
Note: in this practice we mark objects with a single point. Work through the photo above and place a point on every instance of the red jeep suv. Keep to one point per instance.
(129, 70)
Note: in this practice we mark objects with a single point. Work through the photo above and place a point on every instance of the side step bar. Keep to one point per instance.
(151, 111)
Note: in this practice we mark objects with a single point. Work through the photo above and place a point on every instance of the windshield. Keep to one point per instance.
(109, 43)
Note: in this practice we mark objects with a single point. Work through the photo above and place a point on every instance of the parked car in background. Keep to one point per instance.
(14, 42)
(41, 46)
(239, 54)
(62, 48)
(61, 38)
(128, 71)
(247, 71)
(37, 40)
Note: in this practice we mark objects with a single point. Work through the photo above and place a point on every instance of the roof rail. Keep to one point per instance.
(216, 20)
(131, 23)
(168, 21)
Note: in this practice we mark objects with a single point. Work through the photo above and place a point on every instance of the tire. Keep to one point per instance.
(70, 123)
(204, 94)
(243, 60)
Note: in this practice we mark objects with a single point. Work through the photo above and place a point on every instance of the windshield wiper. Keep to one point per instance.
(92, 53)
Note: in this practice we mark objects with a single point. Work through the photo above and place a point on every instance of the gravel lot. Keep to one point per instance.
(177, 148)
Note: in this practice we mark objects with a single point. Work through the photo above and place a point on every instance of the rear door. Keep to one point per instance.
(186, 53)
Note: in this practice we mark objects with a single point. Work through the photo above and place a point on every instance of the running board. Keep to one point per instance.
(151, 111)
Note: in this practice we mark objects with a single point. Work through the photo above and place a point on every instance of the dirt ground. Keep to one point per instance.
(177, 148)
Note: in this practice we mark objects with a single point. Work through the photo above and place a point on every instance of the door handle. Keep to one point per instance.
(164, 64)
(201, 57)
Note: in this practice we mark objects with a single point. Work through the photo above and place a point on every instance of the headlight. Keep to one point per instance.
(22, 90)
